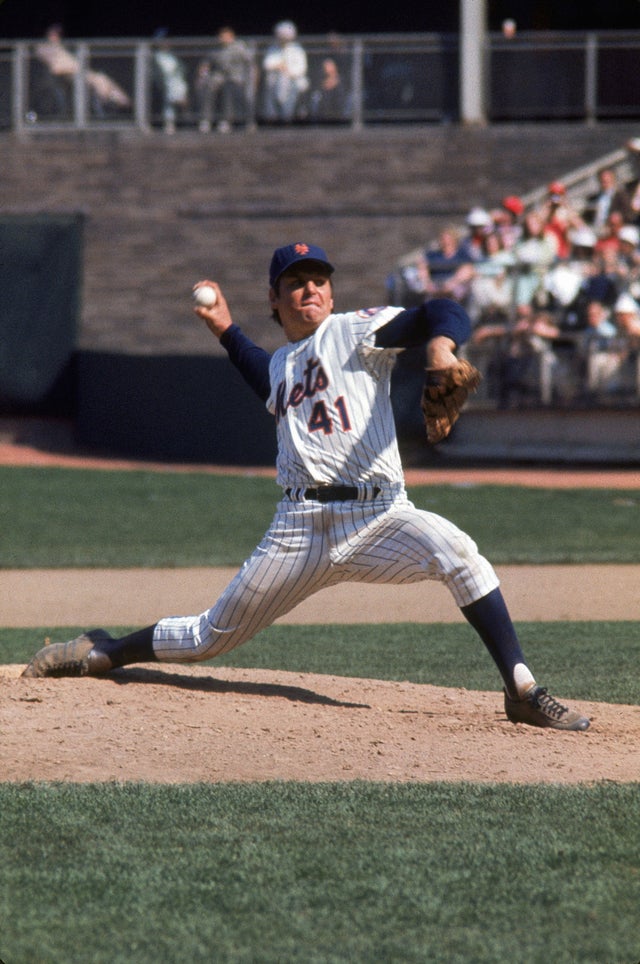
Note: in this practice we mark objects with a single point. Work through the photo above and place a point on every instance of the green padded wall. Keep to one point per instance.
(40, 288)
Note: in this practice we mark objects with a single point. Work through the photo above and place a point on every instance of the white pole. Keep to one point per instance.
(473, 26)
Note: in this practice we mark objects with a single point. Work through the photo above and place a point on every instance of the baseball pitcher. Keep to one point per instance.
(344, 514)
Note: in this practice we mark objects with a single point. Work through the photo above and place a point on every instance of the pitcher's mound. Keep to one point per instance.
(179, 724)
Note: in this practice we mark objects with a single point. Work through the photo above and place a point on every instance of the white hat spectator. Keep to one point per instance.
(285, 30)
(479, 218)
(583, 238)
(630, 234)
(626, 305)
(563, 284)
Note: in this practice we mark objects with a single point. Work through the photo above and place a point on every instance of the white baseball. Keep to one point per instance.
(205, 296)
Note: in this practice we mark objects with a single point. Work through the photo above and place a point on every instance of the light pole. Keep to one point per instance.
(473, 27)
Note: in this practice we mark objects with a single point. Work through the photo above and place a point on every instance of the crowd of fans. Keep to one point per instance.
(232, 86)
(553, 293)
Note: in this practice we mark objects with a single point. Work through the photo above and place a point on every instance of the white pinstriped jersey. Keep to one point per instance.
(330, 398)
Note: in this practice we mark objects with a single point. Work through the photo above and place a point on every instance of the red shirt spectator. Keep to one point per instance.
(507, 220)
(559, 218)
(609, 240)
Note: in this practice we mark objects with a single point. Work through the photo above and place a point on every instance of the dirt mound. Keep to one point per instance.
(188, 724)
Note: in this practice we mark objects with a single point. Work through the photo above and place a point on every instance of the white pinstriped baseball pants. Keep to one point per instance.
(310, 546)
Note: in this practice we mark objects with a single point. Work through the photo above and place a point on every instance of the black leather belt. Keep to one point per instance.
(331, 493)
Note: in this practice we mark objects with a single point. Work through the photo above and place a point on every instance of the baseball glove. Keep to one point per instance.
(444, 393)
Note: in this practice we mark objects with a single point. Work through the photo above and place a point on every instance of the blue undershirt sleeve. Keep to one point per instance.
(416, 326)
(251, 361)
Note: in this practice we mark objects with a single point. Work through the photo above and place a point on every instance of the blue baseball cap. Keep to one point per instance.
(290, 254)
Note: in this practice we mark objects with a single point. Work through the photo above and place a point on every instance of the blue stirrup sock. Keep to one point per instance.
(490, 618)
(137, 647)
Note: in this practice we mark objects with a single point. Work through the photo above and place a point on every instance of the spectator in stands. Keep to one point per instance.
(445, 271)
(564, 285)
(583, 242)
(634, 200)
(472, 246)
(507, 220)
(582, 258)
(528, 361)
(600, 328)
(490, 305)
(629, 236)
(55, 85)
(609, 278)
(286, 80)
(627, 319)
(223, 82)
(609, 239)
(629, 256)
(329, 98)
(592, 277)
(610, 197)
(626, 315)
(491, 293)
(170, 80)
(340, 53)
(559, 217)
(534, 254)
(600, 352)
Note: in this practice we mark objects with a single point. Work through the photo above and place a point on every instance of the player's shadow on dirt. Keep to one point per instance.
(209, 684)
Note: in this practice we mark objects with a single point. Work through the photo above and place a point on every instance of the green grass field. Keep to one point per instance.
(66, 517)
(289, 872)
(280, 872)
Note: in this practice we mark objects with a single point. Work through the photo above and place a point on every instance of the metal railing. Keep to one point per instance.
(382, 79)
(385, 78)
(574, 76)
(555, 375)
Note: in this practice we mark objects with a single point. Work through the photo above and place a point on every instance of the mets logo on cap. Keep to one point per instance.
(290, 254)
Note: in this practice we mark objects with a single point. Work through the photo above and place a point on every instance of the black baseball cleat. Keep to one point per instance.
(537, 708)
(79, 657)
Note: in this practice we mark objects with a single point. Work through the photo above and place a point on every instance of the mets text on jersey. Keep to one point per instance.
(314, 380)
